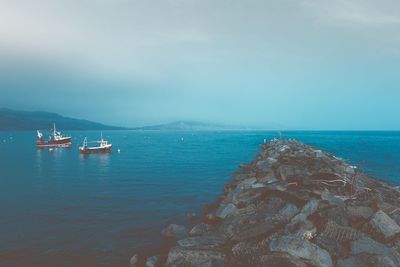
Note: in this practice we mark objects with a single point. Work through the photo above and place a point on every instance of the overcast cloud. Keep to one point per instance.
(305, 64)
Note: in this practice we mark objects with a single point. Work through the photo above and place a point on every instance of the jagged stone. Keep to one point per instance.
(367, 245)
(383, 226)
(298, 247)
(340, 233)
(133, 261)
(201, 229)
(246, 253)
(255, 231)
(281, 260)
(175, 231)
(202, 242)
(179, 256)
(395, 215)
(367, 260)
(370, 246)
(152, 261)
(301, 218)
(288, 211)
(337, 214)
(213, 263)
(359, 212)
(331, 198)
(246, 197)
(225, 210)
(334, 248)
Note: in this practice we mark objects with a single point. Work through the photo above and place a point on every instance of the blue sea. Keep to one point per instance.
(60, 208)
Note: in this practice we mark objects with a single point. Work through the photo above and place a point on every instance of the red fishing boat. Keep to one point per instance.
(103, 147)
(56, 139)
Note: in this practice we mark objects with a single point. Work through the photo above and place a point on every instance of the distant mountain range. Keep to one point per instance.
(199, 126)
(13, 120)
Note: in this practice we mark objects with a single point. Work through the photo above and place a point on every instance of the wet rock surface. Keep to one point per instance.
(296, 206)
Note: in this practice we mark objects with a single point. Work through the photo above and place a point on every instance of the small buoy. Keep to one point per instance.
(119, 150)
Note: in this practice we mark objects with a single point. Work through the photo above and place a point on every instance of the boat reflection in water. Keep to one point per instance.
(103, 147)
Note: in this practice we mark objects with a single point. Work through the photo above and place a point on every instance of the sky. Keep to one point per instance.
(292, 64)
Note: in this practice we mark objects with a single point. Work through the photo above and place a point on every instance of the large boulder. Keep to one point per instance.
(383, 226)
(152, 261)
(213, 263)
(201, 229)
(246, 253)
(370, 246)
(225, 210)
(133, 261)
(304, 249)
(359, 212)
(188, 257)
(280, 259)
(288, 211)
(331, 198)
(367, 260)
(202, 242)
(301, 218)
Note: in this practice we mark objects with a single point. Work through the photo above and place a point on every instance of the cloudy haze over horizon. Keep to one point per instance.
(305, 64)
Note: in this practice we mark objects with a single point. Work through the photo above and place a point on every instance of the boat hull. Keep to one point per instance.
(65, 142)
(95, 150)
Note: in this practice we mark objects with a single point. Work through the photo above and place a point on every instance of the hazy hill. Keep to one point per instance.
(192, 126)
(13, 120)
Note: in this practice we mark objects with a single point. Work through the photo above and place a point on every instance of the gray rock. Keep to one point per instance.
(280, 260)
(253, 231)
(213, 263)
(179, 256)
(257, 185)
(175, 231)
(133, 261)
(245, 184)
(152, 261)
(368, 245)
(202, 242)
(367, 260)
(247, 197)
(245, 250)
(225, 210)
(334, 248)
(309, 208)
(288, 211)
(395, 215)
(383, 225)
(200, 229)
(331, 198)
(298, 247)
(301, 218)
(360, 212)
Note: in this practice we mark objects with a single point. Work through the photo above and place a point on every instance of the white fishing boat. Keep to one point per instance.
(102, 147)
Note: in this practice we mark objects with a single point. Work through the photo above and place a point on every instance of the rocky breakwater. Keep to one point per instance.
(293, 206)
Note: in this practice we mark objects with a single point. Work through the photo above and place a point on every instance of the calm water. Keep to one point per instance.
(61, 208)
